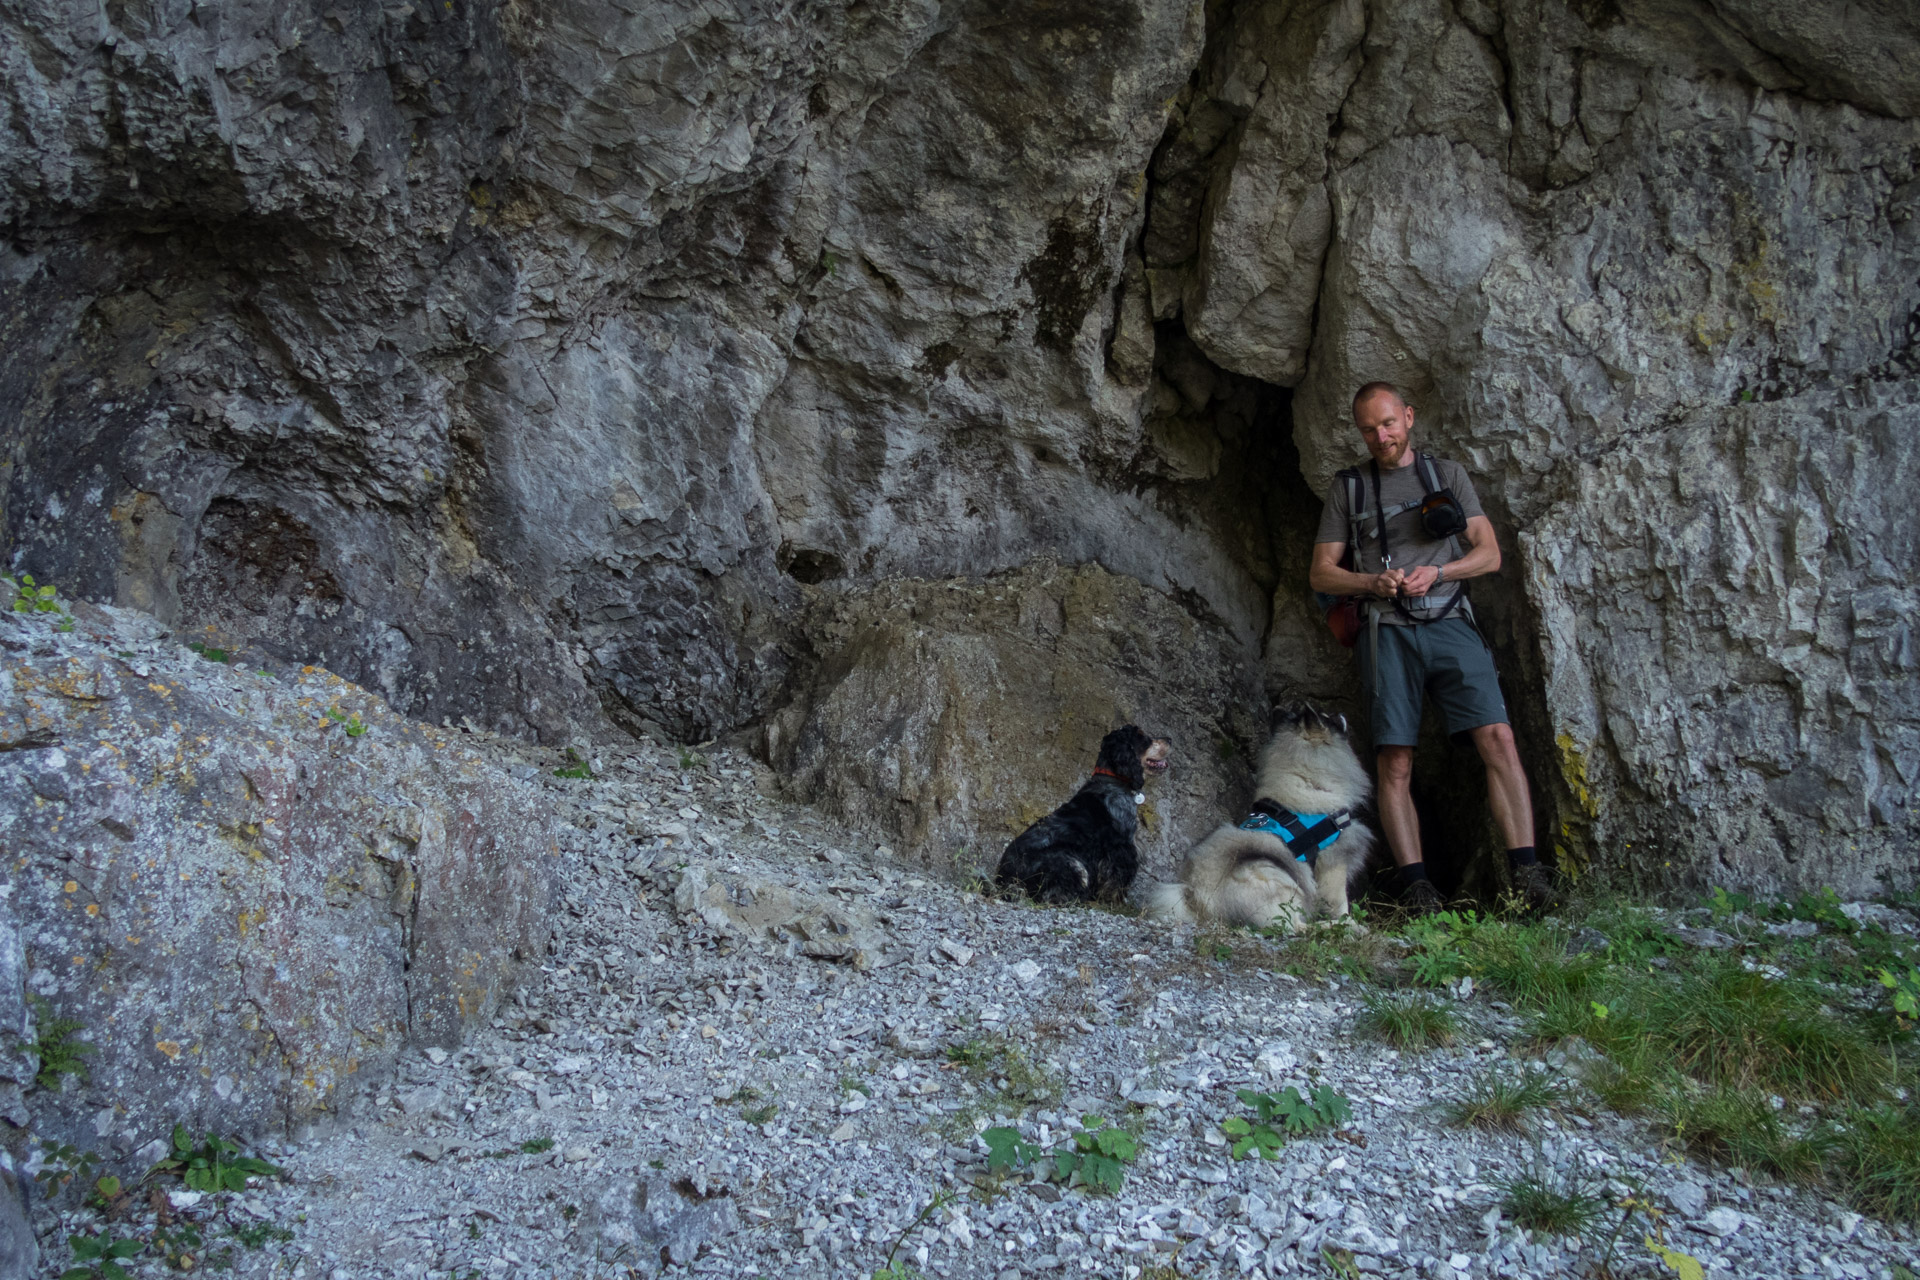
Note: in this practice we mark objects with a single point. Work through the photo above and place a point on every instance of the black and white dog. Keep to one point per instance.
(1084, 849)
(1294, 855)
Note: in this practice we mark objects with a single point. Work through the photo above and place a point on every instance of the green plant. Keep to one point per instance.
(1438, 945)
(61, 1163)
(106, 1191)
(179, 1244)
(1740, 1126)
(1821, 908)
(1499, 1101)
(1411, 1021)
(214, 1165)
(1906, 992)
(574, 768)
(59, 1052)
(687, 759)
(1095, 1156)
(100, 1256)
(32, 597)
(209, 652)
(1013, 1083)
(1724, 904)
(760, 1115)
(1549, 1201)
(1340, 1262)
(901, 1271)
(258, 1235)
(1278, 1117)
(1873, 1153)
(1684, 1265)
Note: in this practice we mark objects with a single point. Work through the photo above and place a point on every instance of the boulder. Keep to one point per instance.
(250, 890)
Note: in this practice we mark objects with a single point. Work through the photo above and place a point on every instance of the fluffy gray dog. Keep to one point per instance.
(1294, 855)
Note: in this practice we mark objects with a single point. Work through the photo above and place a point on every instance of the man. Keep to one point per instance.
(1418, 637)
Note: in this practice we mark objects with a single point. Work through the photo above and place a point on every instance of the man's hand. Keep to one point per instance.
(1388, 583)
(1420, 580)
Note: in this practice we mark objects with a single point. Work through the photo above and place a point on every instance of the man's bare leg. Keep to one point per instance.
(1401, 825)
(1507, 792)
(1398, 820)
(1512, 804)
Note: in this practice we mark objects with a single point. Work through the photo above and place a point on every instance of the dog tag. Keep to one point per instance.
(1139, 797)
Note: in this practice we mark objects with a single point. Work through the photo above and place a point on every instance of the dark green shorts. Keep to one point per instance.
(1446, 660)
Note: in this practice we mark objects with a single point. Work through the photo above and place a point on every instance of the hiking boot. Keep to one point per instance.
(1421, 899)
(1534, 884)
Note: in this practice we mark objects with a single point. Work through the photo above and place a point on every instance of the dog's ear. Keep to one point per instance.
(1281, 718)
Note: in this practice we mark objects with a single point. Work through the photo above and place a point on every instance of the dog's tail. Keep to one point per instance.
(1168, 902)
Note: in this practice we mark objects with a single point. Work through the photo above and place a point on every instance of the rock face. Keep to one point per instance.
(547, 365)
(952, 715)
(246, 890)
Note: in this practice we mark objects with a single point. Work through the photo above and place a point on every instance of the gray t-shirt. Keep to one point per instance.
(1406, 536)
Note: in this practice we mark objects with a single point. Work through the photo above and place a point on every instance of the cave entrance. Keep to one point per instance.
(1221, 447)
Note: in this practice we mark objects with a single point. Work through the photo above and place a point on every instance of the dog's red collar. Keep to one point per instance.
(1102, 769)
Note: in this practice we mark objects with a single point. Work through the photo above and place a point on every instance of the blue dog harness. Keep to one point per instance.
(1304, 834)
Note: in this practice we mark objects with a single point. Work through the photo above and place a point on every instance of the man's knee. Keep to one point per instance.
(1395, 766)
(1496, 743)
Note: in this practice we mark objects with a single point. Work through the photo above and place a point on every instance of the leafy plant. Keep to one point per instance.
(1278, 1117)
(209, 652)
(900, 1270)
(1095, 1156)
(62, 1162)
(1906, 992)
(760, 1115)
(1098, 1153)
(1340, 1262)
(1684, 1265)
(106, 1192)
(258, 1235)
(179, 1244)
(59, 1052)
(34, 597)
(574, 768)
(100, 1256)
(1724, 904)
(214, 1165)
(348, 720)
(1439, 941)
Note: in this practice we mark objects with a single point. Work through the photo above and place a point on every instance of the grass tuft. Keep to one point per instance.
(1500, 1101)
(1410, 1021)
(1551, 1202)
(1874, 1156)
(1741, 1127)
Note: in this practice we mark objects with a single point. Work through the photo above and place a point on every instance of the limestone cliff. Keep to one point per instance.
(575, 367)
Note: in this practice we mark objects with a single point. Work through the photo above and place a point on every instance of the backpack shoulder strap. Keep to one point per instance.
(1430, 479)
(1429, 474)
(1350, 477)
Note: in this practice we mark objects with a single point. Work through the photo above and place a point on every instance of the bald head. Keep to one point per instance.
(1373, 389)
(1385, 421)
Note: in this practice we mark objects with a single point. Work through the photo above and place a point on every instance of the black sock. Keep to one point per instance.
(1411, 873)
(1524, 856)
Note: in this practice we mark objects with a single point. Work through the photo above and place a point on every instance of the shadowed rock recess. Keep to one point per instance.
(915, 389)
